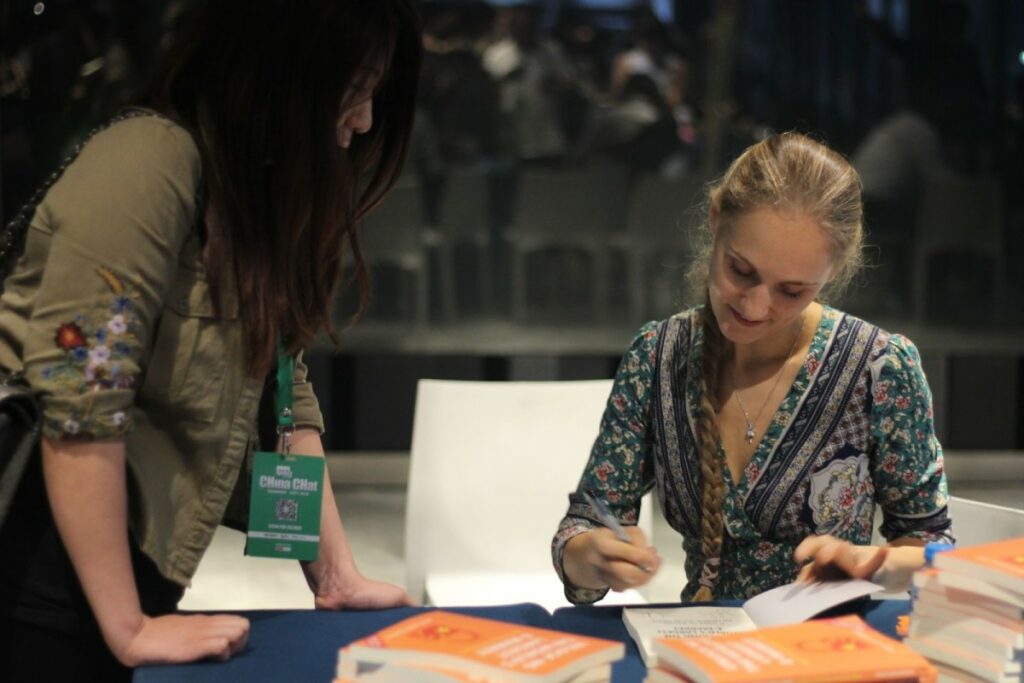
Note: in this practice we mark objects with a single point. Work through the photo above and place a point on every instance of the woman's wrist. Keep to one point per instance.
(576, 571)
(896, 573)
(330, 574)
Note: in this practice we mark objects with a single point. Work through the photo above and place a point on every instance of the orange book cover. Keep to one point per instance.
(420, 673)
(820, 651)
(487, 647)
(1000, 563)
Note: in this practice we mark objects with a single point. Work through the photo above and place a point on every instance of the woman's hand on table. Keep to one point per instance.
(828, 557)
(179, 638)
(599, 559)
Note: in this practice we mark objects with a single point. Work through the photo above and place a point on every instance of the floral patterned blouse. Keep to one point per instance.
(854, 430)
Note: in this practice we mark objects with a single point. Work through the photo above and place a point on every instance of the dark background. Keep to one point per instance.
(907, 89)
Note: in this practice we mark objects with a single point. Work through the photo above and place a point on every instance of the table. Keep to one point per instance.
(301, 646)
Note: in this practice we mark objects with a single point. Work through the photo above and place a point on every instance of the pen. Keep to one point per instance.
(608, 519)
(606, 516)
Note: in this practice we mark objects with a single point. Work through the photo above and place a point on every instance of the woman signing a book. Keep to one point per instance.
(771, 423)
(171, 275)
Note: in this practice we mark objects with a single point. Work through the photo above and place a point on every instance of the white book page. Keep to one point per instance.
(796, 602)
(647, 623)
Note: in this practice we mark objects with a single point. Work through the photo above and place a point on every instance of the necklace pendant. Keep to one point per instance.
(750, 433)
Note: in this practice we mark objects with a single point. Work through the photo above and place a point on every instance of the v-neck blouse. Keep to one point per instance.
(855, 430)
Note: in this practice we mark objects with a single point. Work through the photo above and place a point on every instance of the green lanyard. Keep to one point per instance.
(287, 489)
(285, 380)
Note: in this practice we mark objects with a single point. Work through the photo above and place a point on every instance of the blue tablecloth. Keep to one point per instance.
(302, 646)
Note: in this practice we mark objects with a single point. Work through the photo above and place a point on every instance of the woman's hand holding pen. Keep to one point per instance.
(599, 559)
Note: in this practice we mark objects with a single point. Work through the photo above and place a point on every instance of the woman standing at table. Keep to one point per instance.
(770, 423)
(159, 272)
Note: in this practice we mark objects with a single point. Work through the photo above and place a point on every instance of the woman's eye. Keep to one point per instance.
(792, 295)
(739, 271)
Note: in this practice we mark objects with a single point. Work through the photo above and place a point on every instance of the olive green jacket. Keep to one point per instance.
(109, 312)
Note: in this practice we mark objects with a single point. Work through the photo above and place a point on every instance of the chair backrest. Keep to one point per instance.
(491, 469)
(465, 205)
(394, 231)
(960, 211)
(585, 203)
(976, 522)
(664, 211)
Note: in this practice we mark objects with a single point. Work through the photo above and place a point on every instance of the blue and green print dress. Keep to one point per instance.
(855, 431)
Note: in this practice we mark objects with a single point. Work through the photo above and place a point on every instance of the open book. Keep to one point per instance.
(788, 604)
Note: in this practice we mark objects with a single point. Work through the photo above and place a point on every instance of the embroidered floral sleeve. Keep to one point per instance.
(910, 483)
(620, 468)
(110, 231)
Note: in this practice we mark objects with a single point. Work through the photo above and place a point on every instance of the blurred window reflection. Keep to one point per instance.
(641, 95)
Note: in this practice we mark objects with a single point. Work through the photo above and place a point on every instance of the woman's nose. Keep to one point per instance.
(755, 303)
(360, 119)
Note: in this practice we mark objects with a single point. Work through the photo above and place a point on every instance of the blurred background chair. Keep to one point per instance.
(464, 219)
(395, 235)
(491, 468)
(575, 209)
(658, 242)
(959, 215)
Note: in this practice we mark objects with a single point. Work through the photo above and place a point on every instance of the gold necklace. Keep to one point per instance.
(778, 375)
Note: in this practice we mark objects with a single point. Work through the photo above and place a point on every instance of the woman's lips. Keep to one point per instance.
(743, 321)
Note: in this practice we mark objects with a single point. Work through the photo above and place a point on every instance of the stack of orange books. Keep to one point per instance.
(445, 647)
(968, 613)
(838, 650)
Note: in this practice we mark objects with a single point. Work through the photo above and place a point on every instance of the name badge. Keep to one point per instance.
(284, 509)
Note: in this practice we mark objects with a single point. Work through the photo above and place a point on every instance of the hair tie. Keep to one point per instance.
(709, 572)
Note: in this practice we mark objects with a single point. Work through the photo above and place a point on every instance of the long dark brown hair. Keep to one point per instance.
(260, 85)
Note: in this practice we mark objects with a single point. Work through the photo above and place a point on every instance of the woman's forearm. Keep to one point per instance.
(335, 553)
(905, 556)
(85, 483)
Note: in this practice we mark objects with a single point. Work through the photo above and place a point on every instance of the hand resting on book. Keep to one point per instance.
(828, 557)
(598, 559)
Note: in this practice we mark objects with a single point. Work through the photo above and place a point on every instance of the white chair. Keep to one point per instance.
(491, 469)
(975, 522)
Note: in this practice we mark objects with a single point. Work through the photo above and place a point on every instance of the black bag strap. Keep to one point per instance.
(13, 237)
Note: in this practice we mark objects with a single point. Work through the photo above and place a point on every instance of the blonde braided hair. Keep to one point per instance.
(785, 171)
(713, 491)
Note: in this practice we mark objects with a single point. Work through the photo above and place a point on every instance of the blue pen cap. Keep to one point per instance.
(934, 548)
